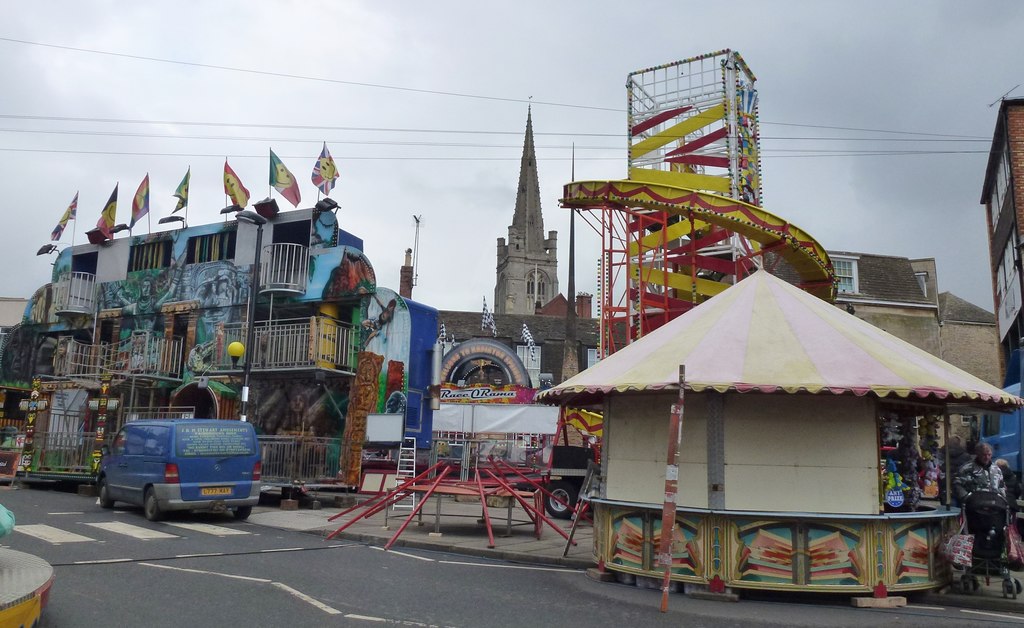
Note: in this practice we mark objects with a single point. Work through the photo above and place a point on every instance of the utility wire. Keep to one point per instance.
(319, 79)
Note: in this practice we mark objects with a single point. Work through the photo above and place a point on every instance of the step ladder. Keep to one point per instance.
(406, 471)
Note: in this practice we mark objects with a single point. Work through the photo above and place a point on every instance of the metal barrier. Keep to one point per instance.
(63, 452)
(284, 268)
(469, 449)
(75, 293)
(296, 343)
(290, 459)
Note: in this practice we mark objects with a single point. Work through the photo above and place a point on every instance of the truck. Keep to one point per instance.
(1002, 430)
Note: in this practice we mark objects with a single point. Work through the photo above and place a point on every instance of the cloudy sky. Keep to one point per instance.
(875, 117)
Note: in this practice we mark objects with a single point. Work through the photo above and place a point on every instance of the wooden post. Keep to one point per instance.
(668, 513)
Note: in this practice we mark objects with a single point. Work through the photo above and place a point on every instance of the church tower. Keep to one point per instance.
(527, 272)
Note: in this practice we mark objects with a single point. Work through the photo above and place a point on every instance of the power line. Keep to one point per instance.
(211, 66)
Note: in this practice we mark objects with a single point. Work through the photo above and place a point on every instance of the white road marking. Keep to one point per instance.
(429, 560)
(51, 534)
(65, 513)
(523, 567)
(208, 573)
(365, 618)
(1017, 617)
(200, 555)
(207, 528)
(305, 598)
(927, 608)
(136, 532)
(103, 561)
(282, 549)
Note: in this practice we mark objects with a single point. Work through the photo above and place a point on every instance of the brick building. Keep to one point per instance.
(1003, 187)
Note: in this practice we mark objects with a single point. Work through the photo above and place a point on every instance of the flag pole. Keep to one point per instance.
(270, 185)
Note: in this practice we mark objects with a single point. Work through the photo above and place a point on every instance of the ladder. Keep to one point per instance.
(406, 471)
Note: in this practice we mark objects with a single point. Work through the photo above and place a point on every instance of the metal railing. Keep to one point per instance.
(164, 412)
(284, 267)
(142, 354)
(289, 459)
(75, 293)
(63, 452)
(314, 342)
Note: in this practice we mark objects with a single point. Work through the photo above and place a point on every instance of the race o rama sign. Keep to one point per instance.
(482, 393)
(482, 362)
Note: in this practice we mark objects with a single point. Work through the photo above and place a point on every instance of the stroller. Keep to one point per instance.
(987, 515)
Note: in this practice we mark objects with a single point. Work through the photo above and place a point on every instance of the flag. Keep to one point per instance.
(69, 214)
(140, 204)
(107, 217)
(325, 172)
(182, 192)
(442, 335)
(488, 320)
(282, 180)
(528, 339)
(233, 187)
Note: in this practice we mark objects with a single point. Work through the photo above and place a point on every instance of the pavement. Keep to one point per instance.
(459, 529)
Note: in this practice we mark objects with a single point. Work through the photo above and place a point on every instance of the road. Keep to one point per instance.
(114, 568)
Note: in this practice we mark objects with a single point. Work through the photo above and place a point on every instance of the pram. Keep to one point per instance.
(987, 515)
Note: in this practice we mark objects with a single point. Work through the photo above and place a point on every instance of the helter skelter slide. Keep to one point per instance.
(687, 222)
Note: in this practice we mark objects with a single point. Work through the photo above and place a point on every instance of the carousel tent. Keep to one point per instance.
(766, 335)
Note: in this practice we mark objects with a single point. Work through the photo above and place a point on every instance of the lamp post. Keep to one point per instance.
(250, 331)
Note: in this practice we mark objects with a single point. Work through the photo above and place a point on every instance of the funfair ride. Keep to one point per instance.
(687, 222)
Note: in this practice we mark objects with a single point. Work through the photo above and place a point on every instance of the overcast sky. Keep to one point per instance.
(875, 117)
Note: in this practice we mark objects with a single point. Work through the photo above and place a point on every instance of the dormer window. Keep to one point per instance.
(846, 274)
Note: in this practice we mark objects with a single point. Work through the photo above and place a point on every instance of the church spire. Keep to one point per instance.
(528, 221)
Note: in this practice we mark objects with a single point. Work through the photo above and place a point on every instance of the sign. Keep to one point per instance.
(483, 393)
(9, 464)
(894, 497)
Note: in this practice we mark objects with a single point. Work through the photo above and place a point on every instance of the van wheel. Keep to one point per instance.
(151, 508)
(242, 512)
(105, 501)
(563, 491)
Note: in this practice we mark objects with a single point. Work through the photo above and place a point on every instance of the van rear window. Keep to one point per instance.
(215, 440)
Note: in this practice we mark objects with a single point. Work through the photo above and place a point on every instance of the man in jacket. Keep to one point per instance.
(979, 474)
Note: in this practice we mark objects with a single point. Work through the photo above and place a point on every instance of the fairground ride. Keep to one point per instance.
(687, 222)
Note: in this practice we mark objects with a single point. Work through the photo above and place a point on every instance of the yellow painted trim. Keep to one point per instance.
(677, 132)
(678, 281)
(688, 180)
(673, 232)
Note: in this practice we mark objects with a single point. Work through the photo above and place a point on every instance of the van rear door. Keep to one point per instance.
(215, 459)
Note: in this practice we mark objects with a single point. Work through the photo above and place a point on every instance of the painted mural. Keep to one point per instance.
(301, 407)
(386, 330)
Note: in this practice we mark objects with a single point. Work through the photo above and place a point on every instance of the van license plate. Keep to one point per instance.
(215, 490)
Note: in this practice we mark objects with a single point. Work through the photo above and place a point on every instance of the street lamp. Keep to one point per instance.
(252, 218)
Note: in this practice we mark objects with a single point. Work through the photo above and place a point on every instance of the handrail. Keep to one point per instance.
(313, 342)
(284, 267)
(75, 293)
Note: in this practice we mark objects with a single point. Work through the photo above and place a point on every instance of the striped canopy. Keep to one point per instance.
(768, 336)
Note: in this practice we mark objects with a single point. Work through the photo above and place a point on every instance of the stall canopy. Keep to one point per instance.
(766, 335)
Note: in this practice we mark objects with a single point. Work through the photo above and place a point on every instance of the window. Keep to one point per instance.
(536, 286)
(150, 256)
(211, 248)
(922, 282)
(532, 364)
(592, 358)
(1000, 188)
(846, 274)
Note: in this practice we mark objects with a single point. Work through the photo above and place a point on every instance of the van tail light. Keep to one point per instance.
(257, 471)
(171, 473)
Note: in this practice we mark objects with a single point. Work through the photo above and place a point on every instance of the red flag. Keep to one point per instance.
(233, 187)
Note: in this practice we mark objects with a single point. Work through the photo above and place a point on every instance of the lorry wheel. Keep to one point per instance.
(151, 508)
(564, 491)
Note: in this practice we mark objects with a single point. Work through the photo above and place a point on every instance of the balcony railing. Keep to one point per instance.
(301, 343)
(75, 293)
(284, 268)
(142, 354)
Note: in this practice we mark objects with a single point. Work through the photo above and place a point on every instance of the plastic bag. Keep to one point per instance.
(958, 548)
(1014, 553)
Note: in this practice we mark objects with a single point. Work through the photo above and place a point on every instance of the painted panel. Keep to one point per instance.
(835, 554)
(627, 541)
(687, 559)
(912, 556)
(766, 552)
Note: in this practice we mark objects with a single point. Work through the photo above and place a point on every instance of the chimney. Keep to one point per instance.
(405, 277)
(584, 302)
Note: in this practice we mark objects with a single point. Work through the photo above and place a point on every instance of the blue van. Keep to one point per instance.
(1003, 432)
(183, 464)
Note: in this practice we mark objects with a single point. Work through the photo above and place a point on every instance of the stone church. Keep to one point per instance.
(527, 271)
